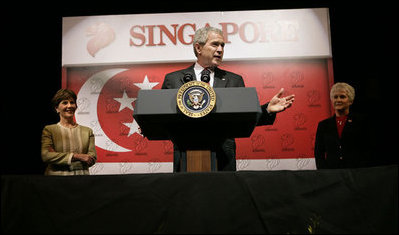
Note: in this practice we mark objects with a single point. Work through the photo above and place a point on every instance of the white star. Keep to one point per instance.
(146, 84)
(125, 102)
(134, 128)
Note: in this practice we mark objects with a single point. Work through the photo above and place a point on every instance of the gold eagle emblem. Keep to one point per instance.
(196, 99)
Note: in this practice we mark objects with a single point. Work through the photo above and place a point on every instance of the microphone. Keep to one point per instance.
(205, 76)
(188, 77)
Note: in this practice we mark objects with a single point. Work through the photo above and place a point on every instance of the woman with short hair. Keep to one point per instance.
(342, 141)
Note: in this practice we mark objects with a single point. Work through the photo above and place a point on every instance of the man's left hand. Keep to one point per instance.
(278, 104)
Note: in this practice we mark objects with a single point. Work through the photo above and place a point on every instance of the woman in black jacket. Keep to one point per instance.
(342, 141)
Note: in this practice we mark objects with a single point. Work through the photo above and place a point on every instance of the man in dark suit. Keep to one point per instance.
(208, 45)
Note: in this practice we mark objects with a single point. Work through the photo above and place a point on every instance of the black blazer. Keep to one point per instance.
(226, 151)
(354, 148)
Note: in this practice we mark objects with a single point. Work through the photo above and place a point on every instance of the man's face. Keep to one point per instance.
(211, 54)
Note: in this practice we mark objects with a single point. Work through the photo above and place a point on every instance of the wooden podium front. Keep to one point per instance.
(198, 161)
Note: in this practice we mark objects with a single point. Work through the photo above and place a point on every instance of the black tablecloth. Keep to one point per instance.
(361, 200)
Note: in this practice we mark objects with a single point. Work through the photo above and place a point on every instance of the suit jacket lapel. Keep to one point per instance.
(185, 71)
(219, 79)
(348, 126)
(333, 129)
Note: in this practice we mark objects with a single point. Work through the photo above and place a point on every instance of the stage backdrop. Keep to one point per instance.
(108, 59)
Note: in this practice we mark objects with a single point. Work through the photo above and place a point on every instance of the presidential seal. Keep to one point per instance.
(196, 99)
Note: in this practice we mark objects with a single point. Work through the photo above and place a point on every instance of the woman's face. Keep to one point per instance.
(66, 108)
(341, 101)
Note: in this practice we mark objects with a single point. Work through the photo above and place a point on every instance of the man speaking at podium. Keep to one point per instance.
(208, 45)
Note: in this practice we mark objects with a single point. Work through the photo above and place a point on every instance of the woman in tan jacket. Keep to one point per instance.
(67, 147)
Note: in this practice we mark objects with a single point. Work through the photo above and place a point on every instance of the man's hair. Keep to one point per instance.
(63, 94)
(201, 36)
(341, 86)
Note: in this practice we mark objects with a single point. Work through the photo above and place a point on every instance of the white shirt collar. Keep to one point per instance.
(198, 69)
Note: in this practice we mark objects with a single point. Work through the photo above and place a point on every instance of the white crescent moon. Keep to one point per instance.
(90, 91)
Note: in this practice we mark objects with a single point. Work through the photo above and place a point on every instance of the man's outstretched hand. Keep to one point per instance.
(278, 104)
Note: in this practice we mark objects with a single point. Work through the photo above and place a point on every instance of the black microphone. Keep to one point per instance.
(205, 76)
(188, 77)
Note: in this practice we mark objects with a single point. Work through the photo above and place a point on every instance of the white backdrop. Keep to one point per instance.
(250, 35)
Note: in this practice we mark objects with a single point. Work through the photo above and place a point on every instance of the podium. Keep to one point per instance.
(235, 115)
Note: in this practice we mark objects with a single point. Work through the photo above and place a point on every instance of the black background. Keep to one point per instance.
(364, 47)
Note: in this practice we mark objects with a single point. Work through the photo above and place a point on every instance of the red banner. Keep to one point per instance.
(117, 138)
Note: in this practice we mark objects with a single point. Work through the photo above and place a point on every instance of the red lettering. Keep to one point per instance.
(247, 32)
(262, 32)
(136, 35)
(243, 35)
(226, 32)
(150, 35)
(180, 34)
(165, 30)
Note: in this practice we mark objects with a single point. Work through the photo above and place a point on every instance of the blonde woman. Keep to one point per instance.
(342, 141)
(67, 147)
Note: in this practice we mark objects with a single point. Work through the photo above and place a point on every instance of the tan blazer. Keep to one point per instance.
(59, 143)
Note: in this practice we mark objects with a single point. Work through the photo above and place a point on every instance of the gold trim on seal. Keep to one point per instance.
(210, 103)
